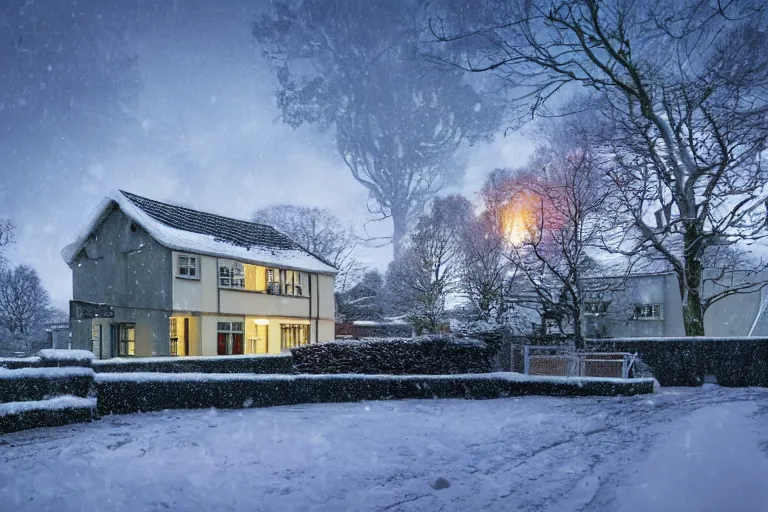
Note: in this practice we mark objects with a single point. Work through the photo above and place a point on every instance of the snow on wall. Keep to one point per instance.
(54, 404)
(200, 377)
(177, 359)
(54, 354)
(45, 372)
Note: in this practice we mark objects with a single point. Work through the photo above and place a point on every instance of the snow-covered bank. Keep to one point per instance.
(530, 453)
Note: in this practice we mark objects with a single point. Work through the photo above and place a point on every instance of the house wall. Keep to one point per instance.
(254, 303)
(197, 294)
(735, 314)
(731, 316)
(123, 267)
(152, 331)
(618, 322)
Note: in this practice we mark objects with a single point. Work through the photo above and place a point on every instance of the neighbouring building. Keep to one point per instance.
(155, 279)
(649, 305)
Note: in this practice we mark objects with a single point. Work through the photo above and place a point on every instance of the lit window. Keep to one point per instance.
(293, 335)
(186, 266)
(285, 282)
(647, 312)
(229, 338)
(126, 339)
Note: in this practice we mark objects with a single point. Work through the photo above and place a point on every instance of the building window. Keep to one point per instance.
(595, 308)
(285, 282)
(293, 335)
(229, 338)
(187, 266)
(231, 274)
(647, 312)
(126, 339)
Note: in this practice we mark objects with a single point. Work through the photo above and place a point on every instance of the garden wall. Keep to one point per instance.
(261, 364)
(735, 362)
(140, 392)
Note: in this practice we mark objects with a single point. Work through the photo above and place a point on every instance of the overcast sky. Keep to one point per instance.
(198, 128)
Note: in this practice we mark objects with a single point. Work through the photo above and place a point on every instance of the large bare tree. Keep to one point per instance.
(320, 232)
(352, 67)
(6, 236)
(24, 304)
(681, 87)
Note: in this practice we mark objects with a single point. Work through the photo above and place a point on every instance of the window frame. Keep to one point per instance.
(235, 272)
(602, 307)
(124, 343)
(654, 308)
(187, 266)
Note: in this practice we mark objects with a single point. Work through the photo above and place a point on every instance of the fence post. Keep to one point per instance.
(525, 359)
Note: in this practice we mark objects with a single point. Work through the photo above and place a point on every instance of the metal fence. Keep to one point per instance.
(567, 362)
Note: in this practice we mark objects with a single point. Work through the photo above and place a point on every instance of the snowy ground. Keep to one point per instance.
(681, 449)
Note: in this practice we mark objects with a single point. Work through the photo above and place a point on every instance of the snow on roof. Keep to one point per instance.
(183, 229)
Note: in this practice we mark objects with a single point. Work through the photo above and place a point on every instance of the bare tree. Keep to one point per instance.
(320, 232)
(421, 279)
(351, 66)
(681, 86)
(24, 304)
(484, 268)
(6, 236)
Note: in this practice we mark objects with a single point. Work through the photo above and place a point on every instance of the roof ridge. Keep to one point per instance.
(129, 195)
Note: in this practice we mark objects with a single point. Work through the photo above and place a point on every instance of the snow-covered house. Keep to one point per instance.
(151, 278)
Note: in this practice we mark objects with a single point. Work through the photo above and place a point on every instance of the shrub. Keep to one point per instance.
(425, 355)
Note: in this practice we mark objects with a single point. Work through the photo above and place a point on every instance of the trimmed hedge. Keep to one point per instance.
(119, 394)
(735, 362)
(282, 363)
(39, 383)
(425, 355)
(36, 418)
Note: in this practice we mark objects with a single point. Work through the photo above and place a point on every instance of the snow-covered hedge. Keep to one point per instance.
(39, 383)
(52, 357)
(425, 355)
(62, 410)
(270, 363)
(125, 393)
(736, 362)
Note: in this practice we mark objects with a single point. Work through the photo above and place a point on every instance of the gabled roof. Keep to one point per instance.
(184, 229)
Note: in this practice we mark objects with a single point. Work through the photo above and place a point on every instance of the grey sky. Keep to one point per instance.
(198, 130)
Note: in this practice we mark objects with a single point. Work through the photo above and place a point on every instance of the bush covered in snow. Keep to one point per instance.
(425, 355)
(277, 363)
(126, 393)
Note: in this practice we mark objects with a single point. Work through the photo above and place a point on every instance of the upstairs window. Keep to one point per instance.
(231, 274)
(286, 282)
(648, 312)
(187, 266)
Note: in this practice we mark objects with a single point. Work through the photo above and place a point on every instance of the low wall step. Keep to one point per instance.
(52, 412)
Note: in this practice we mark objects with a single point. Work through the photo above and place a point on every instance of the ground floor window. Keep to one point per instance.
(96, 340)
(126, 339)
(229, 338)
(293, 335)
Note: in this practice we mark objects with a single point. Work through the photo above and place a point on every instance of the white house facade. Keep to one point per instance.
(152, 279)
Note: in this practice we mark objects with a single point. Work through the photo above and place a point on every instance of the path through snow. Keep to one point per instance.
(682, 449)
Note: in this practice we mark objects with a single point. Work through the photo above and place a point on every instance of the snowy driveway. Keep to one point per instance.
(682, 449)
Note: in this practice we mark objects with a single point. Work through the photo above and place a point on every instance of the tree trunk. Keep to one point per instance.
(578, 336)
(400, 229)
(691, 287)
